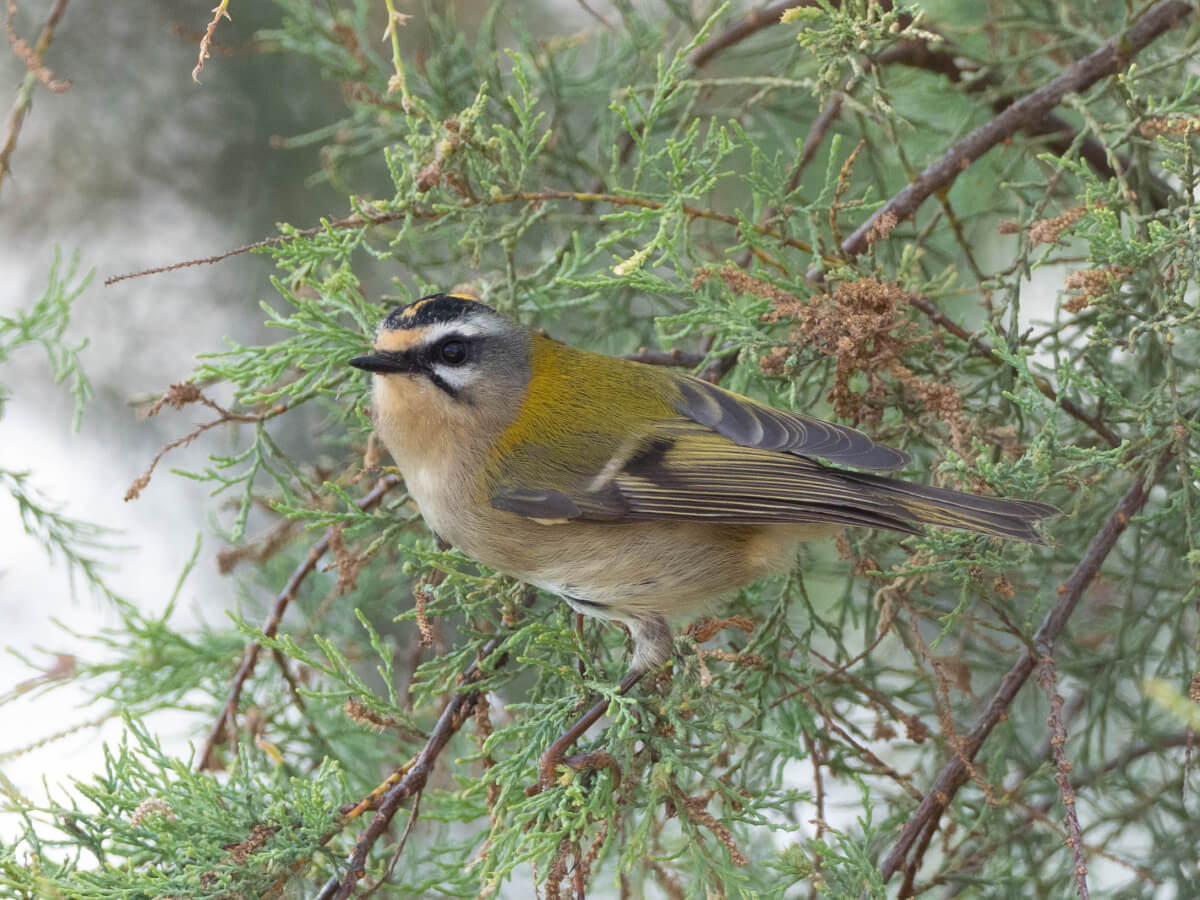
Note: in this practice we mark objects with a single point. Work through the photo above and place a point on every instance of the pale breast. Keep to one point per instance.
(441, 474)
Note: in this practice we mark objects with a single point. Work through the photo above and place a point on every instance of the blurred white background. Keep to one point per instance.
(134, 166)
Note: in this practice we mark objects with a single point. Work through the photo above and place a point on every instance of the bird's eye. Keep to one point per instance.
(453, 352)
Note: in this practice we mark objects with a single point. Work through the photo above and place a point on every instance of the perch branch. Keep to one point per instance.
(416, 773)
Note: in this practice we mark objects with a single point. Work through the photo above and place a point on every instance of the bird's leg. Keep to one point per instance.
(579, 631)
(555, 754)
(653, 643)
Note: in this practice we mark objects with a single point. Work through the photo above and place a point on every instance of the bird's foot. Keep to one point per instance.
(556, 754)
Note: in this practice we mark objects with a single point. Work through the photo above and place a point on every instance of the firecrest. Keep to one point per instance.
(634, 492)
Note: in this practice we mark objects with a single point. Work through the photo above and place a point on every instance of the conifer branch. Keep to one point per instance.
(225, 728)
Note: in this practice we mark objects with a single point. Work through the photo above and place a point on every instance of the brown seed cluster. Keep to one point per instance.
(860, 325)
(1091, 283)
(1175, 126)
(1047, 231)
(942, 400)
(882, 227)
(348, 564)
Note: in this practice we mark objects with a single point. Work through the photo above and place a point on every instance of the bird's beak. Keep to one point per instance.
(382, 363)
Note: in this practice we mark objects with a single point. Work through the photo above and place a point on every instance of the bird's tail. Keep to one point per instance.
(915, 504)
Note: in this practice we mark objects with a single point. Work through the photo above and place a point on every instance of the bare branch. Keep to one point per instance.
(1062, 768)
(36, 72)
(956, 770)
(178, 396)
(755, 21)
(946, 60)
(1109, 59)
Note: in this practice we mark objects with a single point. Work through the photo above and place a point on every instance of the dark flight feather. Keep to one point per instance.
(685, 471)
(751, 424)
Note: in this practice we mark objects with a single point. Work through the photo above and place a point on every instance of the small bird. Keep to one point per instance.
(633, 492)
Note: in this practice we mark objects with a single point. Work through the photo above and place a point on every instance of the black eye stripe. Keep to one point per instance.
(441, 383)
(449, 351)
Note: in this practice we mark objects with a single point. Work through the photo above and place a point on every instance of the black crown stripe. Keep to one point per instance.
(431, 310)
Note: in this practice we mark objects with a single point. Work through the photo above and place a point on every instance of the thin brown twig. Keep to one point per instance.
(241, 48)
(954, 773)
(1107, 60)
(980, 348)
(1048, 681)
(178, 396)
(36, 72)
(224, 727)
(219, 257)
(220, 11)
(372, 219)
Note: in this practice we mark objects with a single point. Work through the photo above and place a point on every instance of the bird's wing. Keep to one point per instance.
(683, 469)
(752, 424)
